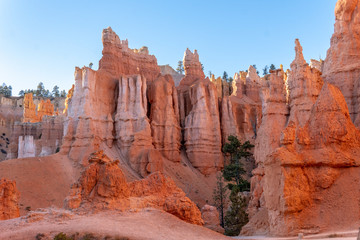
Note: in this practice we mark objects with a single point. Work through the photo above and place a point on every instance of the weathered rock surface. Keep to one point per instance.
(315, 165)
(274, 119)
(210, 215)
(202, 128)
(111, 104)
(44, 108)
(119, 59)
(36, 139)
(9, 198)
(164, 117)
(167, 69)
(304, 84)
(192, 67)
(218, 84)
(29, 109)
(103, 186)
(241, 112)
(342, 65)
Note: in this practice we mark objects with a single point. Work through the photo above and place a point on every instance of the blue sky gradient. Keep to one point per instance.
(45, 40)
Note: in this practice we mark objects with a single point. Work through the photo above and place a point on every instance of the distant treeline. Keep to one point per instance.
(40, 91)
(6, 90)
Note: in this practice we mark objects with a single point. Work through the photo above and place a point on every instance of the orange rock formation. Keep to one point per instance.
(307, 162)
(45, 108)
(9, 198)
(103, 186)
(342, 65)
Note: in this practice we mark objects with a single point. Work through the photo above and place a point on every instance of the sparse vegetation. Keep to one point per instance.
(220, 195)
(180, 68)
(236, 217)
(62, 236)
(42, 92)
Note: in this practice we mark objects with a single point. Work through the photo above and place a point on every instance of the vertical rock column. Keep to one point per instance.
(202, 129)
(304, 85)
(132, 126)
(275, 112)
(164, 117)
(342, 64)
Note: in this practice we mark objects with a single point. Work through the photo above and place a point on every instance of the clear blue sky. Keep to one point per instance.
(45, 40)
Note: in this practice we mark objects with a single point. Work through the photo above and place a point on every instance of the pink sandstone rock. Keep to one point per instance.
(304, 85)
(342, 65)
(218, 84)
(9, 199)
(119, 59)
(210, 215)
(192, 67)
(164, 117)
(202, 128)
(245, 116)
(303, 180)
(275, 112)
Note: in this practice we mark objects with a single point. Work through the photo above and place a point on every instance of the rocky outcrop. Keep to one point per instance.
(26, 147)
(29, 109)
(241, 112)
(315, 165)
(275, 112)
(119, 59)
(253, 85)
(192, 67)
(103, 186)
(44, 108)
(68, 98)
(132, 127)
(202, 128)
(167, 69)
(210, 215)
(304, 85)
(218, 84)
(164, 117)
(111, 104)
(36, 139)
(342, 65)
(238, 84)
(9, 199)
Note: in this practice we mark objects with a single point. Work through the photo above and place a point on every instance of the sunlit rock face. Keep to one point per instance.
(342, 63)
(109, 108)
(304, 84)
(9, 200)
(102, 185)
(306, 160)
(202, 128)
(119, 59)
(165, 118)
(241, 112)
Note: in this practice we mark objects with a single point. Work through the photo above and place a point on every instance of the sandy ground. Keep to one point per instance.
(41, 181)
(348, 235)
(145, 224)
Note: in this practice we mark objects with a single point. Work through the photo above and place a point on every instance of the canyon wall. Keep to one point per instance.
(128, 106)
(307, 155)
(342, 64)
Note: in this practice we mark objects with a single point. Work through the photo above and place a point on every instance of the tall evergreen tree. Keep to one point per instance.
(265, 70)
(225, 76)
(55, 92)
(272, 67)
(180, 67)
(220, 195)
(233, 172)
